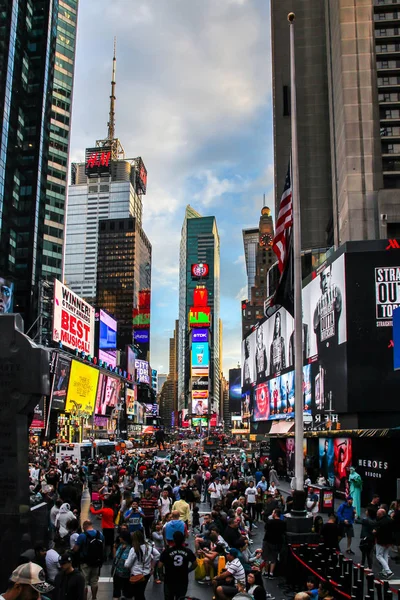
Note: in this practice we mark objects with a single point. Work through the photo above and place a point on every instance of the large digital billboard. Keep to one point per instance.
(235, 390)
(199, 406)
(200, 383)
(142, 371)
(107, 331)
(82, 388)
(268, 352)
(108, 395)
(197, 421)
(60, 382)
(73, 320)
(6, 295)
(200, 335)
(199, 271)
(109, 357)
(200, 317)
(141, 336)
(200, 355)
(130, 361)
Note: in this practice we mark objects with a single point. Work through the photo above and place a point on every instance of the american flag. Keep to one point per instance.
(283, 223)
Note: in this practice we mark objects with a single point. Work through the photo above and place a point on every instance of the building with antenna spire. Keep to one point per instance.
(105, 197)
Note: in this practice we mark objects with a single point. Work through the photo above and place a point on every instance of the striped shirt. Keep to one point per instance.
(236, 569)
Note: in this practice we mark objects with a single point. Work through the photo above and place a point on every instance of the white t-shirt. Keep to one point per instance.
(52, 564)
(215, 490)
(251, 495)
(164, 505)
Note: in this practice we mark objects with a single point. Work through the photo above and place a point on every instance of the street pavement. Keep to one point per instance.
(204, 592)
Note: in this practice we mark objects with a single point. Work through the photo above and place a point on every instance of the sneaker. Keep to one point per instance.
(271, 576)
(265, 574)
(269, 596)
(388, 575)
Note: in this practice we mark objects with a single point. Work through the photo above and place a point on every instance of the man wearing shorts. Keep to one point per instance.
(90, 572)
(346, 514)
(225, 583)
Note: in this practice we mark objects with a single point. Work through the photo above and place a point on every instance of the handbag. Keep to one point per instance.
(200, 571)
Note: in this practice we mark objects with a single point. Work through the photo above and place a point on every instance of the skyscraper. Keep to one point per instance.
(199, 246)
(348, 109)
(106, 186)
(37, 54)
(123, 270)
(250, 243)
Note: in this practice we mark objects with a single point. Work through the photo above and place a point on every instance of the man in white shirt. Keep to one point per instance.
(52, 565)
(225, 583)
(251, 499)
(164, 504)
(215, 491)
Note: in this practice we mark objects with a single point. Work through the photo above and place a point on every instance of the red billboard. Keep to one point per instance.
(200, 270)
(98, 162)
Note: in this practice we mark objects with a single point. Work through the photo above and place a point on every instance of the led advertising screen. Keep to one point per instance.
(73, 320)
(130, 361)
(130, 399)
(142, 371)
(199, 271)
(98, 162)
(108, 395)
(197, 421)
(199, 406)
(60, 382)
(6, 295)
(141, 336)
(235, 390)
(185, 418)
(109, 357)
(108, 332)
(200, 358)
(200, 383)
(39, 416)
(326, 459)
(200, 335)
(200, 394)
(82, 388)
(245, 405)
(200, 317)
(342, 461)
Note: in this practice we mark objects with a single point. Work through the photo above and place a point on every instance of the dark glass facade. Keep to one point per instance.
(123, 269)
(30, 45)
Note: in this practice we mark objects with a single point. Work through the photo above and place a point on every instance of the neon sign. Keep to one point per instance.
(97, 162)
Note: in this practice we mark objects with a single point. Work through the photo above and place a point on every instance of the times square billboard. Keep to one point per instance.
(347, 341)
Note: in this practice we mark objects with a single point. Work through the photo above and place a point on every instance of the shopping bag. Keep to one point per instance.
(221, 565)
(200, 571)
(117, 518)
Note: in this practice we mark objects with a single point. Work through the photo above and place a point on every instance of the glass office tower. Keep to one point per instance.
(37, 49)
(199, 244)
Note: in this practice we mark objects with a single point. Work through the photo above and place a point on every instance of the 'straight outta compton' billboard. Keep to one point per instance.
(73, 320)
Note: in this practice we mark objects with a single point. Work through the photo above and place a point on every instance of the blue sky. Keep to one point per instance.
(194, 100)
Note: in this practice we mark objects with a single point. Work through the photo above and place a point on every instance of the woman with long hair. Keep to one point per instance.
(140, 562)
(277, 355)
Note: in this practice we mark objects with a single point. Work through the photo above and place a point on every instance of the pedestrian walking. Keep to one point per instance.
(346, 514)
(69, 582)
(90, 549)
(177, 562)
(383, 541)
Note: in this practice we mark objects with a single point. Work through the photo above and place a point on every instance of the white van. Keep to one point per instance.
(84, 450)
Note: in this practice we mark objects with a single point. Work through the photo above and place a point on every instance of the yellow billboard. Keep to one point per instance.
(82, 389)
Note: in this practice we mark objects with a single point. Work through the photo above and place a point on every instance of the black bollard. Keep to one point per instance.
(387, 592)
(379, 589)
(370, 585)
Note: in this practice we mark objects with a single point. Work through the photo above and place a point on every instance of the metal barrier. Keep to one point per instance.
(349, 581)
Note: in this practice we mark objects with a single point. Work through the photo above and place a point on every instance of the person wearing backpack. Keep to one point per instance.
(90, 546)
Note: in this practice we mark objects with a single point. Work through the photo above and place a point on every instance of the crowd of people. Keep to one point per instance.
(152, 525)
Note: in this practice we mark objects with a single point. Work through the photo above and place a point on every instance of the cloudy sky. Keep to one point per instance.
(194, 100)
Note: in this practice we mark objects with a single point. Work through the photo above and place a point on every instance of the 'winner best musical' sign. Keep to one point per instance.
(73, 320)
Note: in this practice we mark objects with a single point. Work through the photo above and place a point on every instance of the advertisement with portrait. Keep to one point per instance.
(342, 461)
(108, 395)
(245, 405)
(248, 354)
(199, 406)
(73, 320)
(235, 390)
(278, 330)
(82, 388)
(325, 319)
(6, 295)
(39, 415)
(130, 399)
(60, 382)
(185, 418)
(326, 459)
(291, 454)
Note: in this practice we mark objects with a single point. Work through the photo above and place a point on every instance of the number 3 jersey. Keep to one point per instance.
(176, 563)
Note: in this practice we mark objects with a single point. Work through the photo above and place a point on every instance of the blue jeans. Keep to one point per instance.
(382, 556)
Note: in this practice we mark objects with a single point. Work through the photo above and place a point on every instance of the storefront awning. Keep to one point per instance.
(281, 427)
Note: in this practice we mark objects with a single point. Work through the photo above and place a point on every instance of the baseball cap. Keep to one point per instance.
(65, 558)
(33, 575)
(233, 552)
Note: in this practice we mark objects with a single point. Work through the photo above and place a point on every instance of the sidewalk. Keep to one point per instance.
(394, 582)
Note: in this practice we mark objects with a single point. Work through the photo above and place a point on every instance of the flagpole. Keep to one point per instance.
(298, 316)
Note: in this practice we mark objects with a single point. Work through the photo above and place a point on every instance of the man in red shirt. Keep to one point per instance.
(149, 505)
(107, 525)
